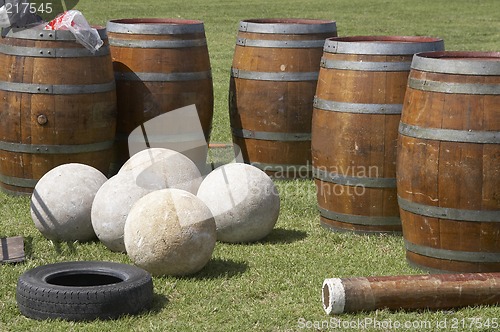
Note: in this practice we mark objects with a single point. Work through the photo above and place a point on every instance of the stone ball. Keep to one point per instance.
(244, 201)
(61, 202)
(170, 232)
(167, 168)
(111, 206)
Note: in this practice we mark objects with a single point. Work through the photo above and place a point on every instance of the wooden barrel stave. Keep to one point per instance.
(59, 106)
(273, 80)
(160, 65)
(448, 165)
(358, 101)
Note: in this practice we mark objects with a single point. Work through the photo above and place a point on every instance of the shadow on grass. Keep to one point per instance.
(215, 268)
(220, 268)
(283, 236)
(59, 247)
(28, 247)
(158, 303)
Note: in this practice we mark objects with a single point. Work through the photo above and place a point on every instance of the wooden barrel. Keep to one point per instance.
(273, 80)
(160, 65)
(448, 166)
(357, 108)
(58, 106)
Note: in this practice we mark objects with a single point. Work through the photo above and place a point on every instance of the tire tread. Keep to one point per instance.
(39, 300)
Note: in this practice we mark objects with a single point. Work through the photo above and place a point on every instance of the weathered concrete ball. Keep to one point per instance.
(164, 167)
(244, 201)
(170, 232)
(61, 202)
(111, 206)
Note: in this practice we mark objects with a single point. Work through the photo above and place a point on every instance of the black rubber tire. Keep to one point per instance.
(82, 291)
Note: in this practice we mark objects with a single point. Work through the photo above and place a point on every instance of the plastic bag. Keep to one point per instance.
(74, 21)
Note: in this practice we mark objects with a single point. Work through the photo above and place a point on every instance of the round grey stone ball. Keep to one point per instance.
(170, 232)
(111, 206)
(61, 202)
(159, 167)
(244, 201)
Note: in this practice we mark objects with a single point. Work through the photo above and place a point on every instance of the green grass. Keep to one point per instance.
(273, 285)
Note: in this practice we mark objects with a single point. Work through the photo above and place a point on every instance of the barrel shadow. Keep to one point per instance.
(123, 119)
(235, 118)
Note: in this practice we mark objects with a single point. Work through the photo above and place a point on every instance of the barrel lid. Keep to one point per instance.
(383, 45)
(288, 26)
(457, 62)
(155, 26)
(37, 32)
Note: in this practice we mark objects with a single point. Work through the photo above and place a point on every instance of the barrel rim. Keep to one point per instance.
(458, 62)
(39, 33)
(383, 45)
(287, 25)
(385, 38)
(153, 26)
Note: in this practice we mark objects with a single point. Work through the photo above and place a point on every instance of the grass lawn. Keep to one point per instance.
(275, 284)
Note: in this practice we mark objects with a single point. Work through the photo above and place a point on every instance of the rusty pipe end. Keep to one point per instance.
(333, 296)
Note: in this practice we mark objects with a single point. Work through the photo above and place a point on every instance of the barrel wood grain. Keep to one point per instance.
(273, 80)
(358, 101)
(57, 107)
(449, 187)
(160, 65)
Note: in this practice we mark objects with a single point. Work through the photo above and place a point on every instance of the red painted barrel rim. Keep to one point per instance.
(293, 26)
(383, 45)
(461, 55)
(155, 21)
(287, 21)
(385, 39)
(458, 62)
(155, 26)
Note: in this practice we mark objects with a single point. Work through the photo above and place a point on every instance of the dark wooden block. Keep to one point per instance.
(12, 249)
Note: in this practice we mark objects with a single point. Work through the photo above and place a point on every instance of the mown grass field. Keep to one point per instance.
(275, 284)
